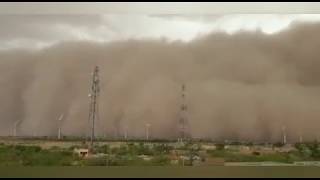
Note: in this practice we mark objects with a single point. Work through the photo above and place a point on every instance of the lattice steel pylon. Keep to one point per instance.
(93, 109)
(183, 119)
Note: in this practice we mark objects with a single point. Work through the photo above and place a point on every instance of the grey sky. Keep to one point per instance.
(158, 7)
(38, 31)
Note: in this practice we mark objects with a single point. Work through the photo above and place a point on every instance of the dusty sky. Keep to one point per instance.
(38, 31)
(247, 75)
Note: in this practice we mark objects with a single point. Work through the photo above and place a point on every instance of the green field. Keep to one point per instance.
(123, 159)
(149, 154)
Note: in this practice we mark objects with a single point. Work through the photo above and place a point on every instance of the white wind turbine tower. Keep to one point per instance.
(300, 137)
(125, 132)
(15, 127)
(147, 130)
(284, 135)
(59, 125)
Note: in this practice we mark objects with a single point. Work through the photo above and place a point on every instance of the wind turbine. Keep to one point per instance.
(15, 127)
(284, 134)
(300, 137)
(59, 125)
(147, 130)
(126, 132)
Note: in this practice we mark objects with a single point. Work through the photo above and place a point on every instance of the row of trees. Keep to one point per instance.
(311, 149)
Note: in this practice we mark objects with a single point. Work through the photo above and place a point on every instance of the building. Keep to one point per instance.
(82, 152)
(208, 147)
(145, 157)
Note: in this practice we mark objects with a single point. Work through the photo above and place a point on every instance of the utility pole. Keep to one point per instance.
(182, 161)
(95, 89)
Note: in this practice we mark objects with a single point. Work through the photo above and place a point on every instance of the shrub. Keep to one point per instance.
(102, 149)
(256, 153)
(278, 144)
(122, 150)
(101, 161)
(220, 146)
(160, 160)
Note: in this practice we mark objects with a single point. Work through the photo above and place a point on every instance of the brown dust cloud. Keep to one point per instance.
(244, 86)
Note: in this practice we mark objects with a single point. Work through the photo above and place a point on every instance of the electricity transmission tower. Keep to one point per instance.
(183, 120)
(93, 110)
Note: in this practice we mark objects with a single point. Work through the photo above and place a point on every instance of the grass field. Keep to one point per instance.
(36, 159)
(144, 172)
(48, 158)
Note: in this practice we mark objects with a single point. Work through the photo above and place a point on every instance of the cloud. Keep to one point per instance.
(242, 86)
(39, 31)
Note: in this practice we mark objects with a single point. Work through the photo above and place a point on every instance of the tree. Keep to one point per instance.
(220, 147)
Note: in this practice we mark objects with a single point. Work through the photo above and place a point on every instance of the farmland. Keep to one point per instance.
(37, 152)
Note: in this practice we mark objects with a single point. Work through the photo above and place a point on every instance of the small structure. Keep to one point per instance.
(285, 148)
(184, 160)
(177, 152)
(174, 159)
(82, 152)
(209, 147)
(178, 145)
(145, 157)
(196, 160)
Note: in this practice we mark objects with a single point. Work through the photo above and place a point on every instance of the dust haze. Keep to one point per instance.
(244, 86)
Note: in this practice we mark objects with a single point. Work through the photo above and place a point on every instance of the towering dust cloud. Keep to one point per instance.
(244, 86)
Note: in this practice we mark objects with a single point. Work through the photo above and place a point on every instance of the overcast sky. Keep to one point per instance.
(38, 31)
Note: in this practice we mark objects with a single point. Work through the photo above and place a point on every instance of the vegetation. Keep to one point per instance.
(303, 152)
(35, 156)
(309, 150)
(278, 144)
(220, 147)
(129, 154)
(159, 154)
(231, 156)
